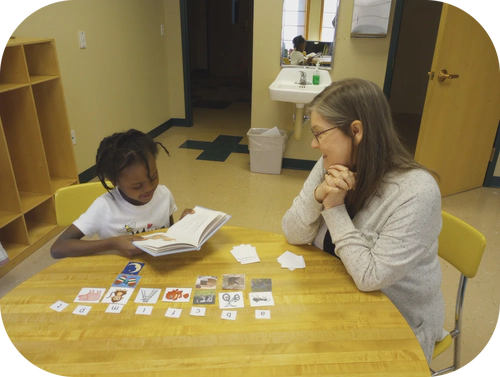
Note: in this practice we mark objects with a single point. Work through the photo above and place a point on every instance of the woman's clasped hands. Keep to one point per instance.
(333, 190)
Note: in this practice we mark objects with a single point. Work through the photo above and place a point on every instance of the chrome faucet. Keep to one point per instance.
(303, 80)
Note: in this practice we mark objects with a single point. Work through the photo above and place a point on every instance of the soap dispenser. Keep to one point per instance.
(316, 75)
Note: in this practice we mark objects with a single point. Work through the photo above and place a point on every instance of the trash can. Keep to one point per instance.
(266, 149)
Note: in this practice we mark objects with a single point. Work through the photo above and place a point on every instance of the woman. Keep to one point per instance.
(368, 203)
(297, 55)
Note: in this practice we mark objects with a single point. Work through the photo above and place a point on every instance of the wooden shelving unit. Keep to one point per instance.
(36, 153)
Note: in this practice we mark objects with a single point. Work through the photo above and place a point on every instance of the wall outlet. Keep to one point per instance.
(82, 39)
(162, 29)
(73, 137)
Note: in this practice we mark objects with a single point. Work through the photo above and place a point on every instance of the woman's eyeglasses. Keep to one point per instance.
(316, 134)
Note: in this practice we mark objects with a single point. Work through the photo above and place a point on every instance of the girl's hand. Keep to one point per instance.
(333, 190)
(123, 244)
(187, 211)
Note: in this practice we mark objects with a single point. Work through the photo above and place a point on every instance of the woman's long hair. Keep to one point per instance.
(380, 150)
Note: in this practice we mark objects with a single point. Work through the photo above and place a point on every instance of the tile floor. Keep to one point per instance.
(260, 200)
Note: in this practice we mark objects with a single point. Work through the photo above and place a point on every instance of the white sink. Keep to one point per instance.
(286, 87)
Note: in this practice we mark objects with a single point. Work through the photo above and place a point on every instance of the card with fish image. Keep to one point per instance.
(177, 295)
(126, 281)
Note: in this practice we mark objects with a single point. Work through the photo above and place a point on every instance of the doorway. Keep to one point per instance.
(220, 52)
(416, 24)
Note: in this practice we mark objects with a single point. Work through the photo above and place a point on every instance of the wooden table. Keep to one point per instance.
(321, 324)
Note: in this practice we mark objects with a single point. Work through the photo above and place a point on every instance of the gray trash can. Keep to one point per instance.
(266, 151)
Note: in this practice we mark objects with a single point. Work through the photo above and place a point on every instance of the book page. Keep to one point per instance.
(190, 229)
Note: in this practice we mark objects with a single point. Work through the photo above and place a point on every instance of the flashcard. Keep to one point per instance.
(90, 295)
(59, 306)
(204, 297)
(206, 282)
(82, 310)
(198, 311)
(146, 310)
(245, 254)
(148, 295)
(233, 281)
(126, 281)
(261, 299)
(263, 314)
(262, 285)
(177, 294)
(291, 261)
(229, 315)
(114, 308)
(133, 268)
(231, 300)
(117, 295)
(173, 313)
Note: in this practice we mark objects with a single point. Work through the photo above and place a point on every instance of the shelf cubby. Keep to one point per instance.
(36, 153)
(53, 122)
(41, 220)
(13, 72)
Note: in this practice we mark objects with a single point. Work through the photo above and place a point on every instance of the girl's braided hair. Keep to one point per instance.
(123, 149)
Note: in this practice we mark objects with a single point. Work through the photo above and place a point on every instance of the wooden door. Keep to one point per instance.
(460, 116)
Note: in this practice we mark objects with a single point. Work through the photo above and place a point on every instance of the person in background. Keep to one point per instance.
(367, 202)
(297, 55)
(136, 203)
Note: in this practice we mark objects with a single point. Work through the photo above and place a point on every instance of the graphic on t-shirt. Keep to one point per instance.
(128, 228)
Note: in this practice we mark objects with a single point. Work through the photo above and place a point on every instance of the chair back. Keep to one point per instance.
(72, 201)
(461, 245)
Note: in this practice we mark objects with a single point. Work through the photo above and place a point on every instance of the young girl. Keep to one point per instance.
(136, 204)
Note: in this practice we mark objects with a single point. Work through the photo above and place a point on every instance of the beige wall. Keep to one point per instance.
(354, 57)
(125, 78)
(130, 76)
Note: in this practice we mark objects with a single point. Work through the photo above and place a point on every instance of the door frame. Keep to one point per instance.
(490, 180)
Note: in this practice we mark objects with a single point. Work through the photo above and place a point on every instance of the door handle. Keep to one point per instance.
(443, 75)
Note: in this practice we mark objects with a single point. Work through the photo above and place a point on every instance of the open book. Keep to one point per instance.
(187, 234)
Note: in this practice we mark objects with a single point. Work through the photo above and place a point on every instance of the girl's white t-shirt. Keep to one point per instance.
(112, 216)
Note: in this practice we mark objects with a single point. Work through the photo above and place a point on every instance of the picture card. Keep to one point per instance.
(126, 281)
(90, 295)
(203, 296)
(233, 281)
(177, 294)
(231, 300)
(206, 282)
(261, 299)
(133, 268)
(148, 295)
(117, 295)
(262, 285)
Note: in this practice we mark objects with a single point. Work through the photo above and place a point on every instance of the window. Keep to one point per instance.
(327, 23)
(294, 21)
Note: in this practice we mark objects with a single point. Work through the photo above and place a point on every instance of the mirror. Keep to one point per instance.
(316, 22)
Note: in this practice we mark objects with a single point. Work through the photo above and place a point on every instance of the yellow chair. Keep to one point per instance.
(72, 201)
(462, 246)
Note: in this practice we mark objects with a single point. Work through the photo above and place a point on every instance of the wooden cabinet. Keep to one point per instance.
(36, 153)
